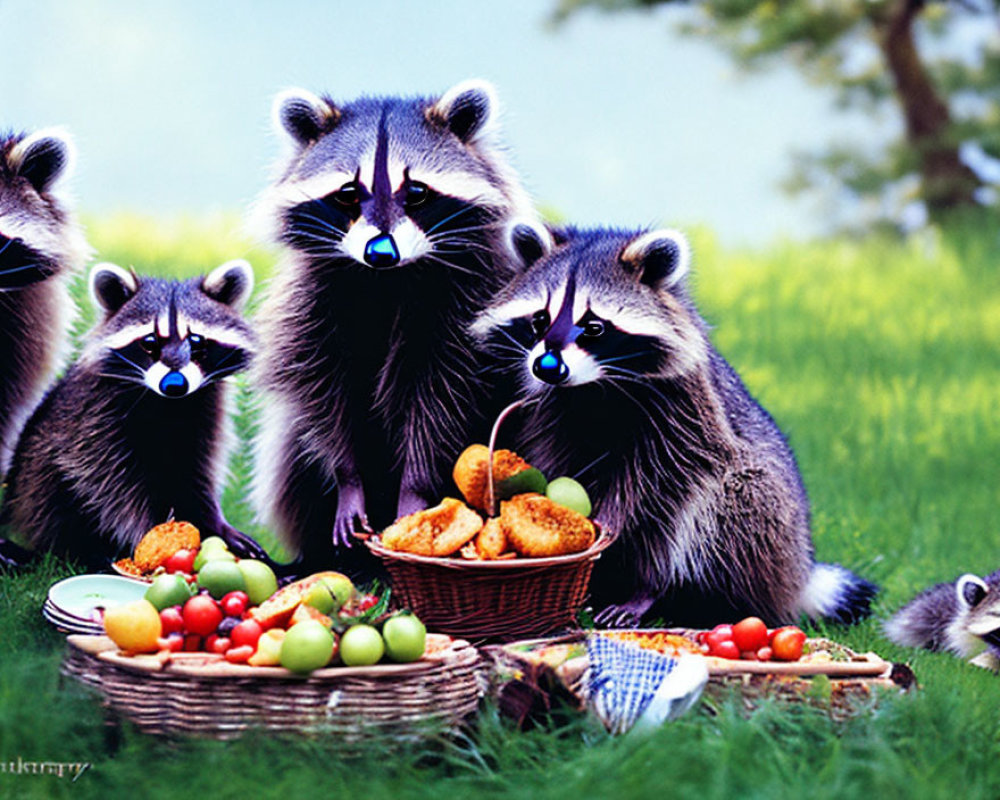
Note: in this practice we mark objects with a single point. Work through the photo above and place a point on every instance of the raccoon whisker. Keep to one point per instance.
(450, 265)
(625, 357)
(26, 267)
(4, 248)
(449, 218)
(323, 224)
(129, 361)
(593, 463)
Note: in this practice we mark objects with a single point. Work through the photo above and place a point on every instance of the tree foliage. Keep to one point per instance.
(937, 62)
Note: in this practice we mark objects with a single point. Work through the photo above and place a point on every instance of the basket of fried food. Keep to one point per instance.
(513, 560)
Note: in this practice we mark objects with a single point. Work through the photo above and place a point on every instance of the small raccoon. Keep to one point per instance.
(958, 617)
(631, 398)
(392, 214)
(135, 431)
(40, 247)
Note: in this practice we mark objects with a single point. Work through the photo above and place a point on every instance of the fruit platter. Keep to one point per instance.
(200, 642)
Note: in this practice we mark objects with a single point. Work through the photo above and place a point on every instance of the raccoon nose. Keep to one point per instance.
(173, 384)
(550, 367)
(381, 251)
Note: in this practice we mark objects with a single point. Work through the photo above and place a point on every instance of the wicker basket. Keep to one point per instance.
(481, 600)
(402, 699)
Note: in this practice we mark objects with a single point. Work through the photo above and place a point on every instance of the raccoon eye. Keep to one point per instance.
(196, 340)
(416, 193)
(150, 343)
(540, 323)
(593, 329)
(348, 194)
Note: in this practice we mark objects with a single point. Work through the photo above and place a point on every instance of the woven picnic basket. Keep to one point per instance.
(352, 702)
(496, 600)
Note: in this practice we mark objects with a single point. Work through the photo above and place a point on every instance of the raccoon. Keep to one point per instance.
(134, 433)
(958, 617)
(391, 212)
(40, 247)
(631, 398)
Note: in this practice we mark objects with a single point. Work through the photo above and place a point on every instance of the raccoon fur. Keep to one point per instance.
(41, 246)
(391, 213)
(135, 432)
(631, 398)
(961, 617)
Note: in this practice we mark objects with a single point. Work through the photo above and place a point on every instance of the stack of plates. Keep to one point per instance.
(76, 605)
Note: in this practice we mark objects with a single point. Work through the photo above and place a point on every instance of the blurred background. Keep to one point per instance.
(628, 113)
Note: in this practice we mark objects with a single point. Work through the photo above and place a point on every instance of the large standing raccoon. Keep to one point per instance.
(633, 399)
(959, 617)
(135, 431)
(392, 214)
(40, 246)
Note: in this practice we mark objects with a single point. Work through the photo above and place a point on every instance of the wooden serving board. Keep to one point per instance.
(866, 665)
(213, 665)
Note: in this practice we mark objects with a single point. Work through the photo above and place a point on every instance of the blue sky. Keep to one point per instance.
(611, 119)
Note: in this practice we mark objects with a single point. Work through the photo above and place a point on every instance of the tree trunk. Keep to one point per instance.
(946, 183)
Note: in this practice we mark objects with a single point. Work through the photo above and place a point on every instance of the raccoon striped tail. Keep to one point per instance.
(837, 594)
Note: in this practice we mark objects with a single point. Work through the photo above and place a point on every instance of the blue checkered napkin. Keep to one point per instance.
(622, 680)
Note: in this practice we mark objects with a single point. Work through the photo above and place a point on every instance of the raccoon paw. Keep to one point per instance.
(243, 546)
(350, 515)
(409, 503)
(626, 615)
(13, 557)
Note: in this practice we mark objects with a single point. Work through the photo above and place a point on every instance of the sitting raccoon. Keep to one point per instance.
(40, 247)
(631, 398)
(391, 212)
(135, 431)
(961, 617)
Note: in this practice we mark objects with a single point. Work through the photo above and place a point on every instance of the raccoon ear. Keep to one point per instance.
(971, 589)
(43, 158)
(468, 109)
(303, 115)
(111, 287)
(229, 284)
(658, 259)
(528, 241)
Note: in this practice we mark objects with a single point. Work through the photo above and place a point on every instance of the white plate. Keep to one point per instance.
(80, 596)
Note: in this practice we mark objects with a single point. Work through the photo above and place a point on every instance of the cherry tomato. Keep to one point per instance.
(181, 561)
(714, 638)
(235, 603)
(788, 643)
(750, 634)
(367, 601)
(202, 615)
(726, 631)
(171, 620)
(173, 642)
(725, 649)
(217, 644)
(246, 633)
(764, 654)
(239, 655)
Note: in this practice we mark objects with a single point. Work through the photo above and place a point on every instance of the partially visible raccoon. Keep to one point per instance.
(958, 617)
(631, 397)
(40, 247)
(392, 214)
(135, 432)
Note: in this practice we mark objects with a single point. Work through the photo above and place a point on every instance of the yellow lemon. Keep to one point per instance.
(134, 627)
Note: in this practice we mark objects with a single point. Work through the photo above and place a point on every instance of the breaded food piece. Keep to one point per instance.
(128, 566)
(471, 477)
(491, 541)
(163, 541)
(437, 531)
(539, 528)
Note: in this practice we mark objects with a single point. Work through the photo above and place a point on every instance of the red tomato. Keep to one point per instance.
(726, 631)
(192, 643)
(181, 561)
(787, 643)
(202, 615)
(246, 633)
(239, 655)
(217, 644)
(174, 642)
(367, 602)
(750, 634)
(725, 649)
(715, 638)
(172, 620)
(235, 603)
(764, 654)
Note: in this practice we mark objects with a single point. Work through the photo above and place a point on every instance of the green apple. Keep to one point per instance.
(405, 637)
(320, 598)
(308, 645)
(220, 577)
(340, 587)
(260, 580)
(214, 543)
(568, 492)
(211, 554)
(361, 646)
(168, 590)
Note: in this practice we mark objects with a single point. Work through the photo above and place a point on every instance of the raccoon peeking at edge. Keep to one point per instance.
(41, 246)
(633, 400)
(136, 430)
(961, 617)
(391, 212)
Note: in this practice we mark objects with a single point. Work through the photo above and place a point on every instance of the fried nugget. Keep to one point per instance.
(491, 541)
(538, 528)
(437, 531)
(163, 541)
(471, 476)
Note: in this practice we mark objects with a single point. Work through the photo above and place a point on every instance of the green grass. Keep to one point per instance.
(878, 358)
